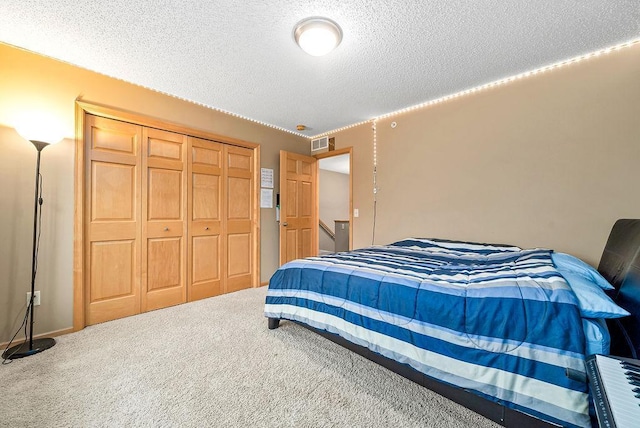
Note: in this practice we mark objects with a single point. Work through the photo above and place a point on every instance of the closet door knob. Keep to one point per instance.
(285, 224)
(206, 228)
(166, 229)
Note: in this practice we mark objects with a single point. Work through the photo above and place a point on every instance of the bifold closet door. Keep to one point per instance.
(240, 213)
(206, 208)
(164, 219)
(112, 218)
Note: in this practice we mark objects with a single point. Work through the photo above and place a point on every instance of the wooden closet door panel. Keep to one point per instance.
(205, 219)
(239, 196)
(164, 214)
(112, 217)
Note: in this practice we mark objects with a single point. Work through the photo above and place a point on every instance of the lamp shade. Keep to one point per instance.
(317, 36)
(43, 128)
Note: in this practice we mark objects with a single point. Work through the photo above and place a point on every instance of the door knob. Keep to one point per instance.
(166, 229)
(206, 228)
(285, 224)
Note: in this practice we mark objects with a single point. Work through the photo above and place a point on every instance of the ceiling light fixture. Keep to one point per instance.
(317, 36)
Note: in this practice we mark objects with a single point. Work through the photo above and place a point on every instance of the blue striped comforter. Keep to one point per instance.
(499, 321)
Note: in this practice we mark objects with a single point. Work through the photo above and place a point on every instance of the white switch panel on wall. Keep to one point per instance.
(356, 213)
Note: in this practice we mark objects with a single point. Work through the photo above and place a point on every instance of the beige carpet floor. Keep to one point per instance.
(213, 363)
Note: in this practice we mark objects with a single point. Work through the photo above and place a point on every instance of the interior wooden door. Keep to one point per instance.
(240, 210)
(298, 206)
(112, 219)
(206, 209)
(164, 213)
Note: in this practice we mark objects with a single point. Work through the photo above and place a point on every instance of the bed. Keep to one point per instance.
(499, 329)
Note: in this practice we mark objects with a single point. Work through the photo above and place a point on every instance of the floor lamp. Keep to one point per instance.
(33, 346)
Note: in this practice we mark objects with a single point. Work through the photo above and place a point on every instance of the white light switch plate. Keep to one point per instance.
(356, 213)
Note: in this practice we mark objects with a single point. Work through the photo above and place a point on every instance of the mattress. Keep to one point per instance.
(498, 321)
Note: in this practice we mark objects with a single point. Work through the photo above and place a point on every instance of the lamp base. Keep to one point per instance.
(22, 350)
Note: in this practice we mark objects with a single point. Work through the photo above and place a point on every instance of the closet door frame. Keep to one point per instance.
(80, 272)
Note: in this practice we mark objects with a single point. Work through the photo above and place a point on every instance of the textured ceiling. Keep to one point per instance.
(240, 56)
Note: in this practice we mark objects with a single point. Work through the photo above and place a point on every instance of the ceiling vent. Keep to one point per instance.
(319, 144)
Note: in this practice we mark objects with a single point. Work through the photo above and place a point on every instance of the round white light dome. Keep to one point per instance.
(39, 126)
(317, 36)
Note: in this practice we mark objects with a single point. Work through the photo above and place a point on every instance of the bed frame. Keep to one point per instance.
(620, 264)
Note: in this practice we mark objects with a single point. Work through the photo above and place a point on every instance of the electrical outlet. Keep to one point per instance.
(36, 298)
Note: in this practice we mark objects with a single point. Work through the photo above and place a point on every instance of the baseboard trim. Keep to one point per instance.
(54, 333)
(262, 284)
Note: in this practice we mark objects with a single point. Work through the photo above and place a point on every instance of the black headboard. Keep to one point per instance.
(620, 265)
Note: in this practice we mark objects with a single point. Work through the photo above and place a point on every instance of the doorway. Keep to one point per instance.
(335, 201)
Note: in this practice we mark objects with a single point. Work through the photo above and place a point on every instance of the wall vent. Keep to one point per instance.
(319, 144)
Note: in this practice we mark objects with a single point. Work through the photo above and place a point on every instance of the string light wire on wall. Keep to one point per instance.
(375, 179)
(490, 85)
(462, 93)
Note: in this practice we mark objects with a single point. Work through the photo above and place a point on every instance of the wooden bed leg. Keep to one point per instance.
(273, 323)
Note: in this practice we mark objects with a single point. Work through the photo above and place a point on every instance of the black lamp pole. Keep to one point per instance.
(31, 346)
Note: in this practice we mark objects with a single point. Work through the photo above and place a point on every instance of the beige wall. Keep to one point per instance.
(334, 203)
(549, 161)
(29, 81)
